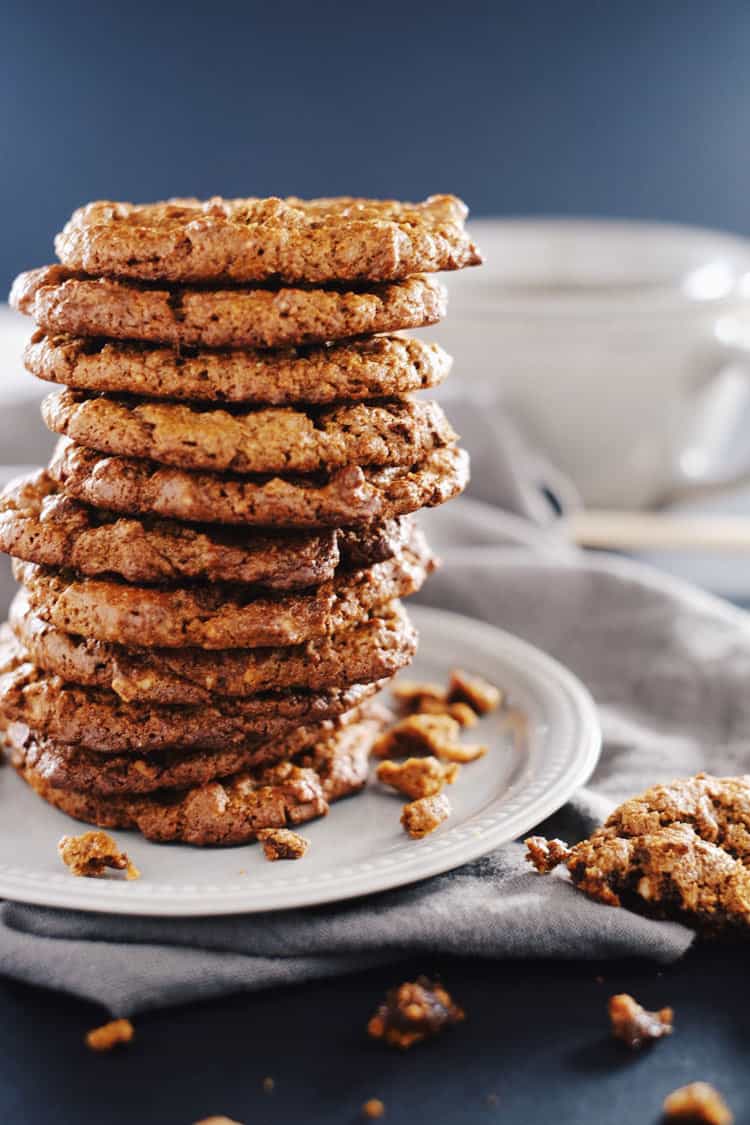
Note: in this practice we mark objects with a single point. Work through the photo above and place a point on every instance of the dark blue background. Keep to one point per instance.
(633, 109)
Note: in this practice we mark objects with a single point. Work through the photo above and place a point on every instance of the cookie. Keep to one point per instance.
(70, 767)
(373, 649)
(218, 617)
(230, 811)
(40, 524)
(375, 367)
(679, 851)
(97, 719)
(353, 495)
(272, 239)
(281, 439)
(219, 318)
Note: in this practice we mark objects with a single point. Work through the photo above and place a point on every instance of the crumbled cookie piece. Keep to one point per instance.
(281, 843)
(679, 851)
(373, 1108)
(220, 1120)
(110, 1035)
(461, 712)
(426, 734)
(636, 1026)
(414, 697)
(268, 1085)
(479, 694)
(91, 853)
(418, 777)
(423, 816)
(412, 1012)
(545, 854)
(698, 1102)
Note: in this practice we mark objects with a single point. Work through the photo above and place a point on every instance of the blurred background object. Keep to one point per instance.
(581, 108)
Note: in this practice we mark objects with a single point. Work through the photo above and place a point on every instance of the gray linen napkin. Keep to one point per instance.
(669, 668)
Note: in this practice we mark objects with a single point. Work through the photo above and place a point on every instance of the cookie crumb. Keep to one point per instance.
(91, 853)
(373, 1108)
(412, 1012)
(634, 1025)
(479, 694)
(437, 735)
(423, 816)
(545, 854)
(698, 1102)
(109, 1035)
(268, 1085)
(418, 777)
(492, 1100)
(220, 1120)
(281, 843)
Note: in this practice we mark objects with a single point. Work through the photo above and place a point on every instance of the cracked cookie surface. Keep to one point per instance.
(218, 617)
(234, 810)
(351, 496)
(374, 367)
(265, 440)
(41, 524)
(252, 239)
(60, 301)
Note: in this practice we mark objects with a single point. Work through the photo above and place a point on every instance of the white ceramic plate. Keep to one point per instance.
(543, 746)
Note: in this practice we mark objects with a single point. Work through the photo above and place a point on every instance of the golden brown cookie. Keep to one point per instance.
(217, 617)
(339, 239)
(97, 719)
(40, 524)
(373, 649)
(69, 767)
(374, 367)
(222, 318)
(281, 439)
(679, 851)
(353, 495)
(231, 811)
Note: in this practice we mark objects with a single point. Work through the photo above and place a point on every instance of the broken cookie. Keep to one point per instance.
(427, 734)
(91, 853)
(478, 693)
(281, 843)
(698, 1103)
(412, 1012)
(418, 777)
(679, 851)
(634, 1025)
(423, 816)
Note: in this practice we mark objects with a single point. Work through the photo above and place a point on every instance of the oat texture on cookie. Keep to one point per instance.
(213, 562)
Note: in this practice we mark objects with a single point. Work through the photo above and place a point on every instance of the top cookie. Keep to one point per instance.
(287, 240)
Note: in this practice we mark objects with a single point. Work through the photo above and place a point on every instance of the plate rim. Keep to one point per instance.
(450, 853)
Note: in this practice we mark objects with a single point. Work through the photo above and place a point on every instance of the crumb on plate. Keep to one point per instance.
(418, 777)
(91, 853)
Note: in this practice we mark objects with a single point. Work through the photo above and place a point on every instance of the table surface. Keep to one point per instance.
(535, 1048)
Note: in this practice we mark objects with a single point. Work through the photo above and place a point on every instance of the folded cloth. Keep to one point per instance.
(668, 667)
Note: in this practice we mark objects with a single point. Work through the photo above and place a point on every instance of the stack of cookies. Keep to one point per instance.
(212, 563)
